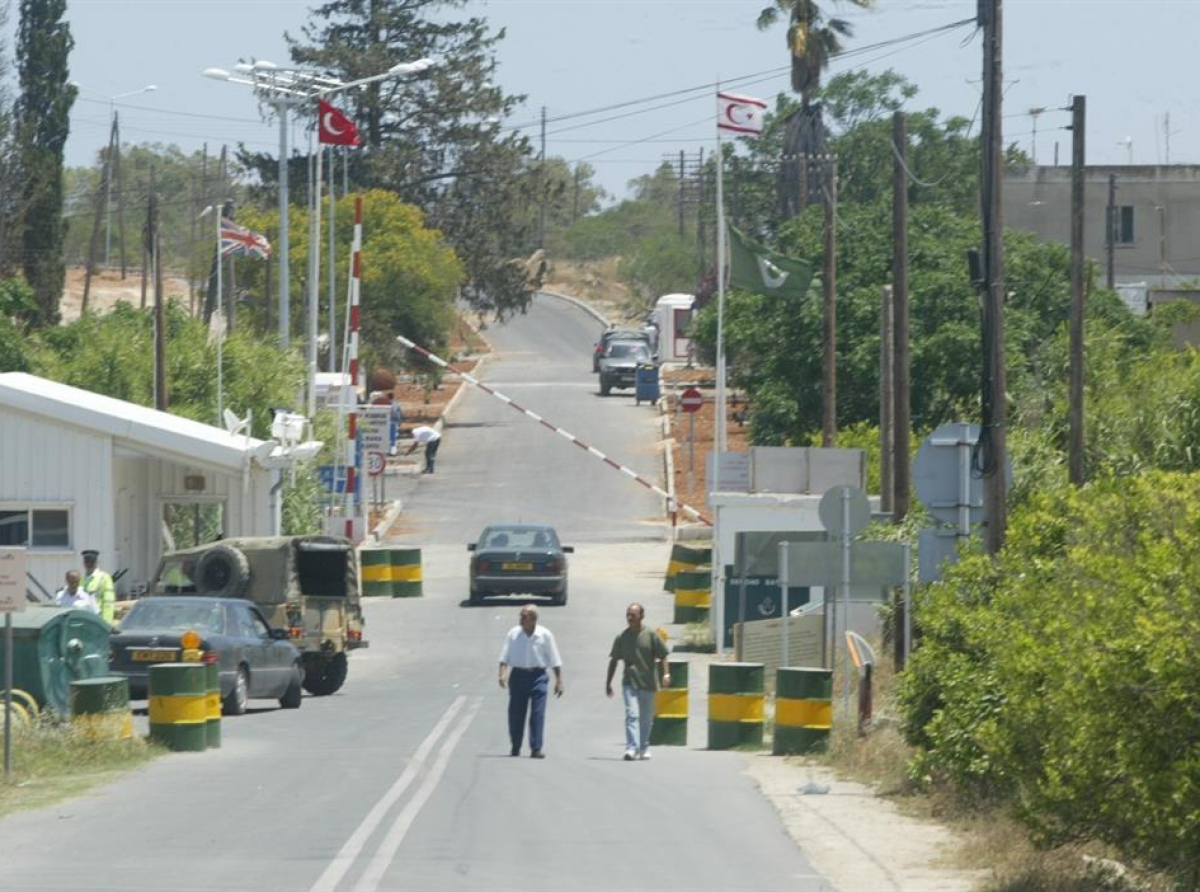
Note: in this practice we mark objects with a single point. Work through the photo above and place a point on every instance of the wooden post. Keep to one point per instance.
(887, 441)
(102, 194)
(901, 411)
(1078, 296)
(829, 377)
(161, 400)
(120, 195)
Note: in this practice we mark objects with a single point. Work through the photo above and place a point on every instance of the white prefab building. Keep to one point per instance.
(673, 314)
(80, 470)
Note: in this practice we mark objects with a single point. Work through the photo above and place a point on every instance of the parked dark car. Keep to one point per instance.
(619, 364)
(255, 660)
(519, 559)
(615, 334)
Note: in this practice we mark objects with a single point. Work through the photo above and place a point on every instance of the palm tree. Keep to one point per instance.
(812, 39)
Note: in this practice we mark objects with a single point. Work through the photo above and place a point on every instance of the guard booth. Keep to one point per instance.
(673, 315)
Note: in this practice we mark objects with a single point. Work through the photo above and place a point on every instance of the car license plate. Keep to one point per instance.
(154, 656)
(520, 566)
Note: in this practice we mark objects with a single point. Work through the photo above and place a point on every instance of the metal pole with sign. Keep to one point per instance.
(12, 599)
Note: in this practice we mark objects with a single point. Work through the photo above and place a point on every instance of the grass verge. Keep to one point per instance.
(51, 762)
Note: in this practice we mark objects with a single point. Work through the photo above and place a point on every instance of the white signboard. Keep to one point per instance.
(735, 472)
(373, 428)
(12, 579)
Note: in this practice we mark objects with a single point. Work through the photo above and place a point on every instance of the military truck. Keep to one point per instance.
(308, 585)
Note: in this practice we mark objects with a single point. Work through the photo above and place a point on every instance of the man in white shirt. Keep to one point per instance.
(527, 653)
(432, 439)
(72, 595)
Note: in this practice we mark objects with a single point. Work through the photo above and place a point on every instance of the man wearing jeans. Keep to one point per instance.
(643, 653)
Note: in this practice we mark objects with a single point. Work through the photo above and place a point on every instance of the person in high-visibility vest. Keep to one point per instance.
(99, 585)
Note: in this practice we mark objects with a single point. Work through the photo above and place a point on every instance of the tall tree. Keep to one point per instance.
(44, 44)
(813, 38)
(436, 139)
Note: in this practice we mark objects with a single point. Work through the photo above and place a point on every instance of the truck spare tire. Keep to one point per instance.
(222, 570)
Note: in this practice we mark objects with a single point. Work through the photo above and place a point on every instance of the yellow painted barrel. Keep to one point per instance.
(803, 710)
(406, 572)
(736, 700)
(671, 708)
(212, 706)
(100, 708)
(693, 595)
(685, 557)
(179, 706)
(375, 568)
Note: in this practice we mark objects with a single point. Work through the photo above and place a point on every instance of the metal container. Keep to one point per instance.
(54, 646)
(646, 386)
(735, 705)
(375, 565)
(100, 708)
(406, 572)
(671, 708)
(685, 557)
(803, 710)
(693, 595)
(179, 707)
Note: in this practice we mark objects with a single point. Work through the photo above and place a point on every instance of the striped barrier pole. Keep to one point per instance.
(693, 595)
(406, 572)
(803, 710)
(178, 707)
(628, 472)
(351, 501)
(736, 700)
(100, 708)
(685, 557)
(671, 708)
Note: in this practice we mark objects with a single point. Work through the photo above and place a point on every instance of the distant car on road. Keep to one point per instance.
(519, 559)
(618, 365)
(255, 661)
(615, 334)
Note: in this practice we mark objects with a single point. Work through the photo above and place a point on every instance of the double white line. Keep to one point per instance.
(378, 863)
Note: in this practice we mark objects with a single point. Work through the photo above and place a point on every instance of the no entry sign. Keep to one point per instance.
(691, 400)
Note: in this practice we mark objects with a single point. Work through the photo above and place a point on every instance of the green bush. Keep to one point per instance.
(1064, 676)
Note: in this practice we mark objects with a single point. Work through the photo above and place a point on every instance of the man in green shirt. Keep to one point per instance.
(99, 585)
(643, 653)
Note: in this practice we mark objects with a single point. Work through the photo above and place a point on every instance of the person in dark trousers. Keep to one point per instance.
(644, 653)
(528, 651)
(432, 439)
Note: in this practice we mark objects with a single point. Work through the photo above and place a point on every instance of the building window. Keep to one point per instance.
(35, 527)
(1122, 224)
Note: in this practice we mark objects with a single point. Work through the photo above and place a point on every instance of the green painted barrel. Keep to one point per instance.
(375, 568)
(803, 710)
(685, 557)
(179, 706)
(671, 708)
(736, 699)
(693, 595)
(100, 708)
(212, 706)
(406, 572)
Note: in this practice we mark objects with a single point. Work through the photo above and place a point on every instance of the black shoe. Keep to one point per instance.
(537, 754)
(515, 751)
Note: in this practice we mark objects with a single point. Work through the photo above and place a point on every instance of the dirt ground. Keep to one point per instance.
(107, 288)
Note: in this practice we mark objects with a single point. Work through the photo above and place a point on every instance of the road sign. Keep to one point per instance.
(376, 462)
(12, 580)
(372, 428)
(691, 400)
(844, 511)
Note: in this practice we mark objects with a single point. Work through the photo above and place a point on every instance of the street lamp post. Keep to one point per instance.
(112, 117)
(283, 89)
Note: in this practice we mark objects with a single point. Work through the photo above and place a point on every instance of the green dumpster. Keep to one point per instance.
(54, 646)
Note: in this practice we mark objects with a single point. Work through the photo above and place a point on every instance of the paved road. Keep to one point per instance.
(403, 780)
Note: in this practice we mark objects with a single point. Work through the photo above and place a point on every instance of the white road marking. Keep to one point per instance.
(386, 853)
(345, 858)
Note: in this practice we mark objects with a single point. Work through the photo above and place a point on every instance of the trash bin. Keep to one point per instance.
(646, 382)
(54, 646)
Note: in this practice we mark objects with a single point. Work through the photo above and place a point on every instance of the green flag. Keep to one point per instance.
(756, 268)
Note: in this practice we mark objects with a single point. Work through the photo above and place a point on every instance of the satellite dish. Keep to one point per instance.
(264, 450)
(233, 424)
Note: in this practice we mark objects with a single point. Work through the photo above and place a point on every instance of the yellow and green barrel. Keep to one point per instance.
(179, 706)
(212, 706)
(736, 700)
(406, 572)
(803, 710)
(693, 595)
(100, 708)
(685, 557)
(671, 708)
(375, 568)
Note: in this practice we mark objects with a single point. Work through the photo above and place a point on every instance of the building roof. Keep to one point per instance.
(136, 427)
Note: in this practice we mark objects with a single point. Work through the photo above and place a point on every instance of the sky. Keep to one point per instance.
(576, 56)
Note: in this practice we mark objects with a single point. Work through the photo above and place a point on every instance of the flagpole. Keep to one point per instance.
(333, 320)
(719, 440)
(314, 273)
(220, 214)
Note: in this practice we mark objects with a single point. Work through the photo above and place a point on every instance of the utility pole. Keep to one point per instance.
(103, 195)
(829, 376)
(575, 203)
(701, 242)
(682, 191)
(160, 321)
(887, 398)
(1110, 235)
(901, 411)
(120, 193)
(1075, 468)
(993, 431)
(542, 186)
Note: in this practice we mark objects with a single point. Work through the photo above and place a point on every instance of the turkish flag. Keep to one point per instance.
(334, 127)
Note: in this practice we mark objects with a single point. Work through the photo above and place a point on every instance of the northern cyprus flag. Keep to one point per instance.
(740, 114)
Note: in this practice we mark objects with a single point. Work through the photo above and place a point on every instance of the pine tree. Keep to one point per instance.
(44, 44)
